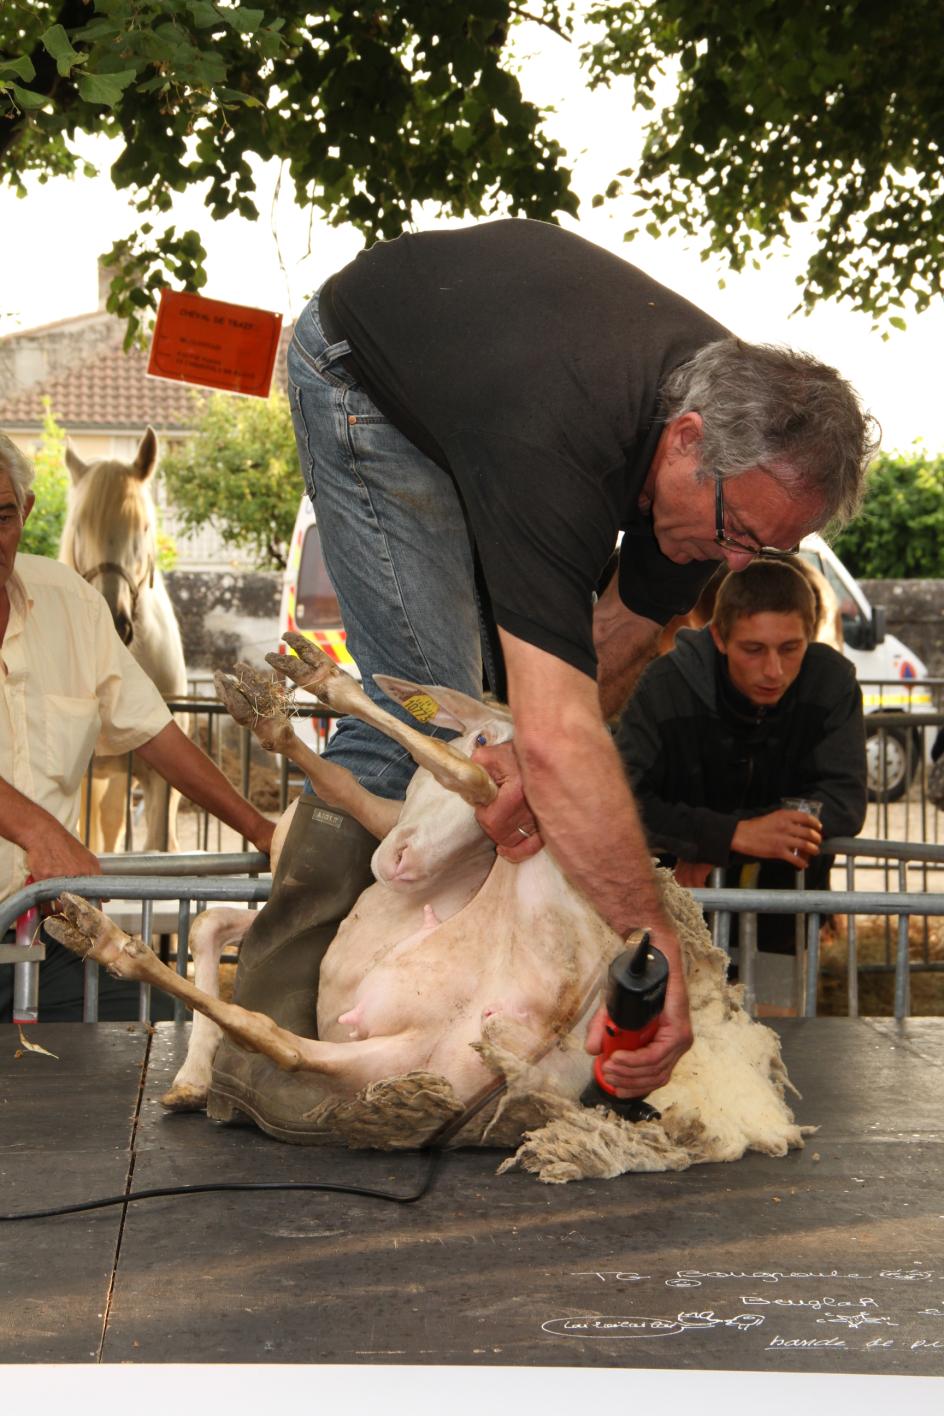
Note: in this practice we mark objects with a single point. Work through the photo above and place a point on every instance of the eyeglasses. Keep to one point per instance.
(723, 539)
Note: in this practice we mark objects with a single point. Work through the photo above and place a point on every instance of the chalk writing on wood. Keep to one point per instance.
(694, 1278)
(595, 1325)
(805, 1310)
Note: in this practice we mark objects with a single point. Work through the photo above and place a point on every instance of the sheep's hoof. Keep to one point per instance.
(184, 1096)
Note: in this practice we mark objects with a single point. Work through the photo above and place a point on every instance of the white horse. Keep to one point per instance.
(110, 538)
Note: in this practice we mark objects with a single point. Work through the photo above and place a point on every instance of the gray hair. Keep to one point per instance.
(766, 406)
(18, 468)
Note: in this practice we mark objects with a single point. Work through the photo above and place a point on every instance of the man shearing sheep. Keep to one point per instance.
(479, 413)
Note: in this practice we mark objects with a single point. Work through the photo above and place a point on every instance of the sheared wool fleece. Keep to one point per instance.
(727, 1094)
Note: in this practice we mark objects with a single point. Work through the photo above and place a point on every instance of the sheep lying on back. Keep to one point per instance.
(456, 967)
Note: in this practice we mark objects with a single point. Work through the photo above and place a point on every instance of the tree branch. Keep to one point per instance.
(72, 14)
(523, 14)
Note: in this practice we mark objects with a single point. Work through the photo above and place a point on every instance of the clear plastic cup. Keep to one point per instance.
(807, 804)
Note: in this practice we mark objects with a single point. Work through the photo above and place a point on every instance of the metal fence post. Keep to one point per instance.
(852, 948)
(144, 989)
(90, 981)
(747, 959)
(799, 949)
(812, 966)
(902, 970)
(183, 940)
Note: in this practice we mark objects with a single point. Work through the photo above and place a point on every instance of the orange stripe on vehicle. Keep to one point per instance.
(332, 641)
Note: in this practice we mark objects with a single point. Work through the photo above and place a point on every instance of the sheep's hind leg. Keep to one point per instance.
(90, 934)
(211, 932)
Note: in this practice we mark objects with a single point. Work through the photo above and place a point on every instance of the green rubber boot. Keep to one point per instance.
(324, 866)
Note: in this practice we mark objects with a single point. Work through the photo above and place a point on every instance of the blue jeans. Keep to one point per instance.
(395, 545)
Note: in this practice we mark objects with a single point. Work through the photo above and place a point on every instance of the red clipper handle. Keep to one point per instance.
(616, 1041)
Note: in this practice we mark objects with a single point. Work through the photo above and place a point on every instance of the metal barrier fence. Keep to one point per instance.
(814, 905)
(891, 866)
(190, 887)
(898, 754)
(903, 717)
(855, 854)
(899, 760)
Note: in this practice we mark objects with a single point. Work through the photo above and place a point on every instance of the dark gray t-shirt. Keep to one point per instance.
(527, 362)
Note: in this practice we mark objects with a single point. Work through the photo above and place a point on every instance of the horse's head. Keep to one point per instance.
(110, 532)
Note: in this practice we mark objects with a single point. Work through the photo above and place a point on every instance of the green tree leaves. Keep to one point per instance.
(239, 473)
(829, 114)
(899, 533)
(374, 108)
(143, 263)
(104, 88)
(56, 42)
(827, 117)
(43, 530)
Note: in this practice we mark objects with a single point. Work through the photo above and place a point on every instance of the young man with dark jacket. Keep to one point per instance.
(740, 715)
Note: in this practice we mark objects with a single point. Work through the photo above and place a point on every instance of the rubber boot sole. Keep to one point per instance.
(255, 1092)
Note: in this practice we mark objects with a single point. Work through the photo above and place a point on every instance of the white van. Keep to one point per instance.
(888, 671)
(310, 606)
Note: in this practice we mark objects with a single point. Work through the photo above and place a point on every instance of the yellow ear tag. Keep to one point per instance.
(422, 707)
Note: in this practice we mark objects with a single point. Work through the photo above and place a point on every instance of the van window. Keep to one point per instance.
(316, 604)
(850, 611)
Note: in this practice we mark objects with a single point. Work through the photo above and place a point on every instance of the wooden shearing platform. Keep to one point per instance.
(829, 1261)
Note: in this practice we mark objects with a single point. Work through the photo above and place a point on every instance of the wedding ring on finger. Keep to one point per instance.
(522, 831)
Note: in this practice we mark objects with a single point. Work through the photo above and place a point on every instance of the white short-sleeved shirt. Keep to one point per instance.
(67, 686)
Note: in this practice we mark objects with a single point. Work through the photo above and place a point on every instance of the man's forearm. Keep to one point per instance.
(573, 785)
(837, 773)
(187, 767)
(49, 847)
(688, 832)
(21, 820)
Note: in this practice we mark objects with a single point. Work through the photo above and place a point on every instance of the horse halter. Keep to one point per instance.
(114, 568)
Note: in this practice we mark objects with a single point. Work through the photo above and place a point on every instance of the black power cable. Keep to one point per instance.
(433, 1149)
(433, 1156)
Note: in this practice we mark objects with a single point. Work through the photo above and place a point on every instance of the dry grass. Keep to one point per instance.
(264, 774)
(877, 991)
(263, 784)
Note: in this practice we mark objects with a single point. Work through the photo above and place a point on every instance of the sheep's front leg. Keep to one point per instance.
(211, 932)
(252, 701)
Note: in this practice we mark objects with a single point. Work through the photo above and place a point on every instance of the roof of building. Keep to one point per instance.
(112, 391)
(107, 391)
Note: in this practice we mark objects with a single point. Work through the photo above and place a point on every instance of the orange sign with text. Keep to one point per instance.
(214, 344)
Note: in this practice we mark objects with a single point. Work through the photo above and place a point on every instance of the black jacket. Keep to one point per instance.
(701, 757)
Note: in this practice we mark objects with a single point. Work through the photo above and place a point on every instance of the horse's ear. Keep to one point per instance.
(77, 468)
(146, 459)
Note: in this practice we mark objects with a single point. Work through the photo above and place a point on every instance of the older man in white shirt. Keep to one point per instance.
(67, 683)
